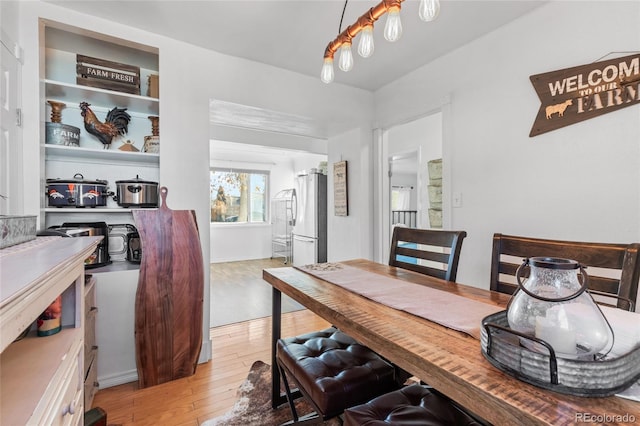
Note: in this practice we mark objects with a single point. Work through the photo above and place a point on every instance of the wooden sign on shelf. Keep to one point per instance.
(103, 74)
(572, 95)
(340, 202)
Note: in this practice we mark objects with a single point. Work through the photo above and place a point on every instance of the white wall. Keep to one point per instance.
(350, 236)
(581, 182)
(9, 18)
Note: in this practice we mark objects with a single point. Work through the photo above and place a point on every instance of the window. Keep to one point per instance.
(239, 195)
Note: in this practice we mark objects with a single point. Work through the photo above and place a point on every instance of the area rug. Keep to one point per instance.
(253, 405)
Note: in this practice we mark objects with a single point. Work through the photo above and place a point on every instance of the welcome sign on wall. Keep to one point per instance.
(576, 94)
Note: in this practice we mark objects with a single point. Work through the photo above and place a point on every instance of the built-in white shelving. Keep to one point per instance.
(73, 94)
(61, 152)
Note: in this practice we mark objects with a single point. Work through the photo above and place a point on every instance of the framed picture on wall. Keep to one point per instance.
(340, 202)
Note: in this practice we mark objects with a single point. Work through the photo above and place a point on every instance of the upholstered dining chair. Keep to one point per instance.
(411, 405)
(613, 269)
(333, 371)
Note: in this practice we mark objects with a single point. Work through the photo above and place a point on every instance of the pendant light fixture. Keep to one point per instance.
(346, 57)
(366, 45)
(393, 27)
(428, 11)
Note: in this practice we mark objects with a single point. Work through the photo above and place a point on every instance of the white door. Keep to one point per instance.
(11, 179)
(305, 250)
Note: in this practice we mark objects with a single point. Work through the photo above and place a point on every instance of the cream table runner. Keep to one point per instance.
(447, 309)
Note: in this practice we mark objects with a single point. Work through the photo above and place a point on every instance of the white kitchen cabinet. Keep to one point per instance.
(42, 378)
(90, 344)
(60, 44)
(115, 327)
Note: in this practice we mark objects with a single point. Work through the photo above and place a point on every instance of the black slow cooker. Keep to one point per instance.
(77, 192)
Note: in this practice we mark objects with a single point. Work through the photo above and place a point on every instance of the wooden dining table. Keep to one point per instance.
(448, 360)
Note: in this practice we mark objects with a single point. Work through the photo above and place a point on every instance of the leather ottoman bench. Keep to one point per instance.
(332, 371)
(411, 406)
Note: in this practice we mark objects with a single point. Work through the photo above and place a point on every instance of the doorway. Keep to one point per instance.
(248, 139)
(407, 149)
(403, 187)
(240, 250)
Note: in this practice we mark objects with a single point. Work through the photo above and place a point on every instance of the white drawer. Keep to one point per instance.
(76, 417)
(68, 403)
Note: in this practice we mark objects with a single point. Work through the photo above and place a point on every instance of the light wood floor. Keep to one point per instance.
(212, 390)
(238, 292)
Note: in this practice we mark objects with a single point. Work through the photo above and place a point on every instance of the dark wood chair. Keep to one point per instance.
(427, 251)
(616, 260)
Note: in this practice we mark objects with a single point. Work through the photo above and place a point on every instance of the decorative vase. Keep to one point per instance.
(553, 306)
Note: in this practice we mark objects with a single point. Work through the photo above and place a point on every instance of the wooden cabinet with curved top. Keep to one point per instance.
(42, 378)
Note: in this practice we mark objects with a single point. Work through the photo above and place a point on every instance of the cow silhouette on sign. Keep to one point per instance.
(559, 108)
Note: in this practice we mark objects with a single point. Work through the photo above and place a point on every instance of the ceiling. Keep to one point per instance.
(294, 34)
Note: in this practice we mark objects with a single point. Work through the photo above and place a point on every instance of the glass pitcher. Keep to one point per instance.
(552, 305)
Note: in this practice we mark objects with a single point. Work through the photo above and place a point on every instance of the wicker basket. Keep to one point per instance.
(434, 167)
(435, 218)
(501, 347)
(435, 194)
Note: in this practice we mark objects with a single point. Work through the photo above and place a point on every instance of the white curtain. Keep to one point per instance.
(401, 198)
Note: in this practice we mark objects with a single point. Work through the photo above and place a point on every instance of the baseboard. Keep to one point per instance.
(206, 352)
(132, 375)
(117, 379)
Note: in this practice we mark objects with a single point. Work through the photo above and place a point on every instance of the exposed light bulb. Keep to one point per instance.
(326, 75)
(346, 57)
(365, 46)
(393, 26)
(429, 9)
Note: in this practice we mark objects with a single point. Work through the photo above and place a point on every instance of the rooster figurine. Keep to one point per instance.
(115, 124)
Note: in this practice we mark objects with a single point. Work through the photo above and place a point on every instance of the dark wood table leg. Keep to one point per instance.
(277, 397)
(276, 319)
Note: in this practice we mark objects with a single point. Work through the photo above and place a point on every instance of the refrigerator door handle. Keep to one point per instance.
(294, 208)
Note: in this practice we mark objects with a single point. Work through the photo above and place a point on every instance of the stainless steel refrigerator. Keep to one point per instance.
(310, 230)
